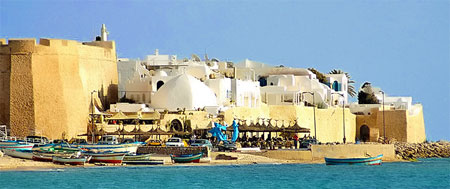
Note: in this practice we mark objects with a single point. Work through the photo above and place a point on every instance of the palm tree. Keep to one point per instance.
(351, 89)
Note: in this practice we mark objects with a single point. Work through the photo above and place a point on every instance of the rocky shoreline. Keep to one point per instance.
(412, 151)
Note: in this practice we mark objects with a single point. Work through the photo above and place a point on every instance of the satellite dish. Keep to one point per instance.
(195, 57)
(215, 60)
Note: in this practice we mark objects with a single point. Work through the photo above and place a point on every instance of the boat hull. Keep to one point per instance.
(16, 146)
(192, 158)
(130, 148)
(136, 157)
(355, 161)
(144, 162)
(37, 157)
(115, 158)
(24, 154)
(70, 161)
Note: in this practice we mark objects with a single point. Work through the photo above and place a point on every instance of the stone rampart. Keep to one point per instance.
(49, 84)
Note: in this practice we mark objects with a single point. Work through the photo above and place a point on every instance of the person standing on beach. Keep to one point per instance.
(295, 140)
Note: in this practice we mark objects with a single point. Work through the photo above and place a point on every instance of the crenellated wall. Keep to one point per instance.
(50, 84)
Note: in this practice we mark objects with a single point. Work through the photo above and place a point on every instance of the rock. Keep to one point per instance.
(422, 150)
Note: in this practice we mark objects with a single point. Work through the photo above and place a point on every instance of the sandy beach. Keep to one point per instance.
(8, 163)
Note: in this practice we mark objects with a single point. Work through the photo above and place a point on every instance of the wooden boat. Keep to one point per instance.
(110, 143)
(139, 157)
(144, 162)
(106, 157)
(48, 156)
(24, 154)
(188, 158)
(15, 145)
(71, 160)
(41, 157)
(354, 161)
(129, 148)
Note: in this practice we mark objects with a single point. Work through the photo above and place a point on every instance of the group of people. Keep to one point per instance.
(273, 142)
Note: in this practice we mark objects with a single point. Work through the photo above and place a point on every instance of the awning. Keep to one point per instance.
(118, 116)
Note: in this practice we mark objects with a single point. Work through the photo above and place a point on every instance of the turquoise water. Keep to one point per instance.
(429, 173)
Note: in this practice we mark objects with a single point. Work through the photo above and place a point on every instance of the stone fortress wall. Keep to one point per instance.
(401, 125)
(46, 87)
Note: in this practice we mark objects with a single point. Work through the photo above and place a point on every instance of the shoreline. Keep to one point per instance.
(15, 164)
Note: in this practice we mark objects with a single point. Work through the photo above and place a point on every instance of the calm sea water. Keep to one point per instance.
(429, 173)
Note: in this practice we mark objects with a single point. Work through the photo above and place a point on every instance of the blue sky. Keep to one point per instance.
(401, 46)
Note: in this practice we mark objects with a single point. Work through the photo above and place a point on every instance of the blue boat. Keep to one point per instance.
(354, 161)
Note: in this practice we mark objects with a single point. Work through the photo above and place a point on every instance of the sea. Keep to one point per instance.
(427, 173)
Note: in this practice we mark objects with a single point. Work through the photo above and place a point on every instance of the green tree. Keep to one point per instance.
(351, 89)
(366, 95)
(319, 75)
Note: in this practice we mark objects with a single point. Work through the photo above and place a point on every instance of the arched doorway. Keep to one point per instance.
(364, 133)
(262, 81)
(159, 84)
(175, 125)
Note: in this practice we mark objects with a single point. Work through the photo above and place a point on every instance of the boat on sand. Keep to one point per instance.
(71, 160)
(24, 154)
(106, 157)
(189, 158)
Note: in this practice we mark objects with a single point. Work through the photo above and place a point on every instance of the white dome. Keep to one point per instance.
(160, 73)
(183, 91)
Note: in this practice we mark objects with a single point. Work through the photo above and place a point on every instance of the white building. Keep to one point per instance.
(339, 84)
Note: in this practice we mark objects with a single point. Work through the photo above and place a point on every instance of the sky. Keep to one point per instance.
(402, 47)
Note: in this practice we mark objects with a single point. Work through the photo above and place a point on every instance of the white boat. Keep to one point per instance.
(48, 156)
(71, 160)
(24, 154)
(130, 148)
(110, 143)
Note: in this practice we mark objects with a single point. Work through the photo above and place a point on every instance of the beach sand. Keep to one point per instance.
(10, 163)
(15, 164)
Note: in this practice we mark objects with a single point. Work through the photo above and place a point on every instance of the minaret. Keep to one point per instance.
(104, 33)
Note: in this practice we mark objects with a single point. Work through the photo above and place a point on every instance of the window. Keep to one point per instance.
(336, 86)
(159, 84)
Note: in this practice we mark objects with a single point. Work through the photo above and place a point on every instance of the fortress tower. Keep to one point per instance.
(45, 88)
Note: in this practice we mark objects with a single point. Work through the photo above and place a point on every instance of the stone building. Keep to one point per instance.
(404, 125)
(46, 88)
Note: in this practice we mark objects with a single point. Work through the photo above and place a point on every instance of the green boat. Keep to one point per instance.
(189, 158)
(137, 157)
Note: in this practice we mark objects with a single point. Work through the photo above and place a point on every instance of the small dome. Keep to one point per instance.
(160, 73)
(183, 91)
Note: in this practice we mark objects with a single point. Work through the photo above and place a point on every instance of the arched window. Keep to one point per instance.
(159, 84)
(336, 86)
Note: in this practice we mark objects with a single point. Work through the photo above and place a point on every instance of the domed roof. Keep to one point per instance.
(160, 73)
(183, 91)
